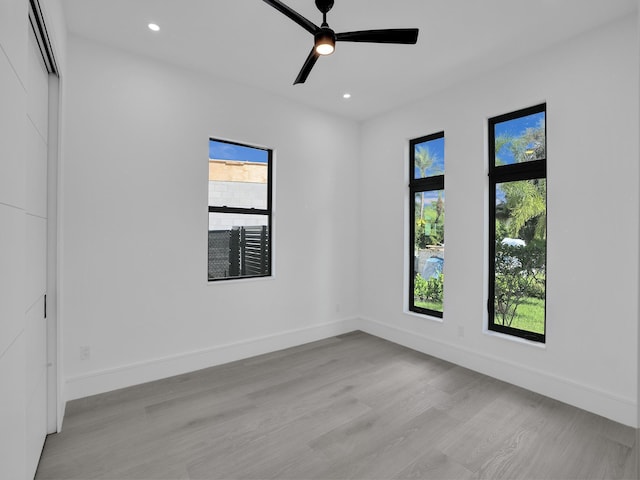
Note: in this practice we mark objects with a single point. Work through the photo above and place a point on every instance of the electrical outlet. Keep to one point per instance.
(460, 331)
(85, 352)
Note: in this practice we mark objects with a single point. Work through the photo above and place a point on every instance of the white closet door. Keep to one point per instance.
(36, 255)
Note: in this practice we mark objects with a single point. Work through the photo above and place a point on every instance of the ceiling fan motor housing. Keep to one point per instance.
(324, 5)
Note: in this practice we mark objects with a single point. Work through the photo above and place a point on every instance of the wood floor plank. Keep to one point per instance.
(557, 441)
(388, 453)
(254, 454)
(435, 465)
(349, 407)
(631, 469)
(493, 424)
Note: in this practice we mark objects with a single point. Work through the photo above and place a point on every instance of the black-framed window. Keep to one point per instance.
(426, 224)
(518, 223)
(240, 191)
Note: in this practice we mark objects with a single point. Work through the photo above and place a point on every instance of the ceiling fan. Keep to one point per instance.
(325, 38)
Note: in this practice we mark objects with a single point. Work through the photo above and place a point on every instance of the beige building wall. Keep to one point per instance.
(234, 171)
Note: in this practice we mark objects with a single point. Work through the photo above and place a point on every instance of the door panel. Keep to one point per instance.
(35, 384)
(36, 171)
(13, 33)
(35, 332)
(35, 347)
(36, 426)
(11, 290)
(37, 88)
(36, 258)
(12, 139)
(12, 451)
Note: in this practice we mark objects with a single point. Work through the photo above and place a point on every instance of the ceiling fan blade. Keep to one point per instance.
(306, 68)
(293, 15)
(392, 35)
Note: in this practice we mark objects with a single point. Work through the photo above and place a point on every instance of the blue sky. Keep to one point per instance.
(436, 149)
(518, 126)
(515, 128)
(230, 151)
(431, 196)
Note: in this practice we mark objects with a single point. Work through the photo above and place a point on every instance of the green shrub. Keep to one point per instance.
(537, 289)
(430, 289)
(520, 273)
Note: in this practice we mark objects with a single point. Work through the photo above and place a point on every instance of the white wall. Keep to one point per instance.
(590, 85)
(135, 222)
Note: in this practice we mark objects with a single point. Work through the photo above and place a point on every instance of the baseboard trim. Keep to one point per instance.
(586, 397)
(101, 381)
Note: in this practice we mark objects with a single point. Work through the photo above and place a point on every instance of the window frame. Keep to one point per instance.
(268, 212)
(530, 170)
(418, 185)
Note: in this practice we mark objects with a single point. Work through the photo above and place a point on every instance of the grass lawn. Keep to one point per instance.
(437, 306)
(529, 316)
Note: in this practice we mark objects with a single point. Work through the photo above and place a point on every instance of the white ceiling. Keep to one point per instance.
(249, 42)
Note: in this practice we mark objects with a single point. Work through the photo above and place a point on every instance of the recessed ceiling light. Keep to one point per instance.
(346, 96)
(154, 27)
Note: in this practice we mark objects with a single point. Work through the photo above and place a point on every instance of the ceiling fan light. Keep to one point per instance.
(325, 42)
(325, 49)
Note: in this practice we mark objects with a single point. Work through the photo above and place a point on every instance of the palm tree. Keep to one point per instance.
(423, 160)
(525, 201)
(527, 207)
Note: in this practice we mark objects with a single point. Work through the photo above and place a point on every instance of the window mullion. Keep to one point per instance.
(239, 210)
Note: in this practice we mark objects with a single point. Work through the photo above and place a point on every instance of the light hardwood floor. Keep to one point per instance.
(352, 406)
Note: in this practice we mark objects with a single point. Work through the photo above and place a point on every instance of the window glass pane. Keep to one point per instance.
(238, 176)
(520, 140)
(238, 245)
(520, 255)
(226, 221)
(429, 250)
(429, 158)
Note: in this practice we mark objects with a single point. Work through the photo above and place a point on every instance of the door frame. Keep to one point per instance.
(55, 404)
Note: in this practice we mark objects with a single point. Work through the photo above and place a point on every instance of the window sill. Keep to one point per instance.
(227, 281)
(512, 338)
(424, 316)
